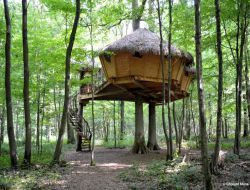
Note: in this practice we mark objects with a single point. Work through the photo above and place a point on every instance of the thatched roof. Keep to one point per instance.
(143, 41)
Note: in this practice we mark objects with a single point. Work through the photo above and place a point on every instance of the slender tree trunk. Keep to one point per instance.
(78, 137)
(17, 121)
(194, 123)
(226, 128)
(239, 52)
(246, 123)
(92, 161)
(175, 126)
(10, 125)
(122, 121)
(59, 143)
(114, 127)
(27, 151)
(247, 119)
(152, 140)
(163, 81)
(182, 126)
(187, 122)
(210, 117)
(38, 114)
(170, 155)
(139, 142)
(42, 119)
(2, 124)
(202, 117)
(223, 128)
(220, 88)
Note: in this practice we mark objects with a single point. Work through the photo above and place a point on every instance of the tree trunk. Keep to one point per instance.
(175, 126)
(194, 123)
(247, 119)
(10, 125)
(92, 161)
(27, 151)
(163, 82)
(210, 117)
(241, 23)
(78, 137)
(151, 20)
(223, 128)
(152, 141)
(122, 121)
(42, 119)
(139, 143)
(2, 123)
(182, 126)
(226, 128)
(17, 121)
(137, 13)
(187, 122)
(59, 143)
(170, 156)
(114, 126)
(202, 117)
(70, 133)
(220, 89)
(245, 132)
(136, 21)
(38, 115)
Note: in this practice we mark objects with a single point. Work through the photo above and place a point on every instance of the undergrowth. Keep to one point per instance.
(40, 173)
(163, 175)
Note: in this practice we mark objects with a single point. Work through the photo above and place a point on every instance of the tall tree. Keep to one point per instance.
(59, 143)
(27, 151)
(92, 161)
(139, 142)
(163, 80)
(201, 99)
(220, 86)
(246, 129)
(10, 125)
(240, 41)
(170, 155)
(38, 114)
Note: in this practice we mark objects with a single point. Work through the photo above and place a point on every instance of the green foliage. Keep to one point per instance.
(164, 175)
(226, 144)
(34, 178)
(126, 143)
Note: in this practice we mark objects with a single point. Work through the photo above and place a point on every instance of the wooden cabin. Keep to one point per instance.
(132, 68)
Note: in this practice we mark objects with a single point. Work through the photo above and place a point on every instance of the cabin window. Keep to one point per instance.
(107, 57)
(137, 54)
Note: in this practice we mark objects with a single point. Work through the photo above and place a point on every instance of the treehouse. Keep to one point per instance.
(132, 68)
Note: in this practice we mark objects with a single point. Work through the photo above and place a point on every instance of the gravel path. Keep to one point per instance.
(109, 164)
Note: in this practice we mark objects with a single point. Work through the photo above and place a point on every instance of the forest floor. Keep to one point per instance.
(120, 169)
(105, 175)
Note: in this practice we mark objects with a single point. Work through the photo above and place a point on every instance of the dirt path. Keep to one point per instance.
(109, 164)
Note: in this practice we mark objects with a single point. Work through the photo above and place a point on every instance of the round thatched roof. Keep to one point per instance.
(143, 41)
